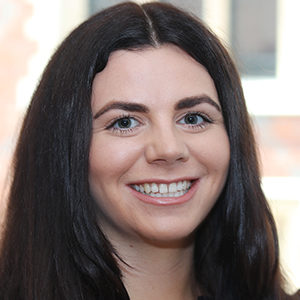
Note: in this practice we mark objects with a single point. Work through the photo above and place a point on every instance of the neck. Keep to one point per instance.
(158, 271)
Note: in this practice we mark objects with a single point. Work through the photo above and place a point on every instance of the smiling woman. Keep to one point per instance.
(162, 148)
(136, 173)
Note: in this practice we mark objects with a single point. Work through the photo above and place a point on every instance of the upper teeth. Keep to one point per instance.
(163, 189)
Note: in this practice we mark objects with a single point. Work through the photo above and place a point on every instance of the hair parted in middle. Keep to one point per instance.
(236, 254)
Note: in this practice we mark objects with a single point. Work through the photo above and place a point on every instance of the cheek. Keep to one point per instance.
(220, 154)
(111, 157)
(110, 160)
(213, 149)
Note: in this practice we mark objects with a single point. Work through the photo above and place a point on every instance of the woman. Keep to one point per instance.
(136, 173)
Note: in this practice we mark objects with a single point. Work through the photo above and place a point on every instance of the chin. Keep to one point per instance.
(169, 236)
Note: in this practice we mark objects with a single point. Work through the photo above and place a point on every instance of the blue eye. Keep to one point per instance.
(192, 119)
(124, 123)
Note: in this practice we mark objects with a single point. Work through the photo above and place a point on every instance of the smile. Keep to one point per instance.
(161, 190)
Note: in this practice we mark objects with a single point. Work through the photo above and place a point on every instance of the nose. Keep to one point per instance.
(166, 146)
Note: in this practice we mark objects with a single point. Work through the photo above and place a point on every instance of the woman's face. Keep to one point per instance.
(159, 152)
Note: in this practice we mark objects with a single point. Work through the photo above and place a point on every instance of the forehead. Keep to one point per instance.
(160, 73)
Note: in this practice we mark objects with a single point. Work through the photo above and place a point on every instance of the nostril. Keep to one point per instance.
(165, 145)
(166, 154)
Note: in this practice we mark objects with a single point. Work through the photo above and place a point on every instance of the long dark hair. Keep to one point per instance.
(52, 247)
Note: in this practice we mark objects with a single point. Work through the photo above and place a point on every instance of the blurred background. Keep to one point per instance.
(263, 37)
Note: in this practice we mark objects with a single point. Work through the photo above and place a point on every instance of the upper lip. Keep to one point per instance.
(166, 181)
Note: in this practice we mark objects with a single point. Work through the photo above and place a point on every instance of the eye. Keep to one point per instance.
(194, 119)
(123, 124)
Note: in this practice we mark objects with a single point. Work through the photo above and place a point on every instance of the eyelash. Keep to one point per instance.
(124, 131)
(206, 120)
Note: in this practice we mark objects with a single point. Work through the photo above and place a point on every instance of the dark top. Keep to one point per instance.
(209, 298)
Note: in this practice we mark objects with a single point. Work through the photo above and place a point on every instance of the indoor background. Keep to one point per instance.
(263, 36)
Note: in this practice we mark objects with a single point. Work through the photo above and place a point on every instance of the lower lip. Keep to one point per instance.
(166, 201)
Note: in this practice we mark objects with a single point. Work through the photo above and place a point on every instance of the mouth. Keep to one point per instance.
(164, 190)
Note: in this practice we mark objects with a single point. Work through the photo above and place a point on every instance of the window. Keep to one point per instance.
(253, 36)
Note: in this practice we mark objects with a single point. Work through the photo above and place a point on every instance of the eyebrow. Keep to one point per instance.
(127, 106)
(188, 102)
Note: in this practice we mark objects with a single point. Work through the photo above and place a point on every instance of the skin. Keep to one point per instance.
(159, 144)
